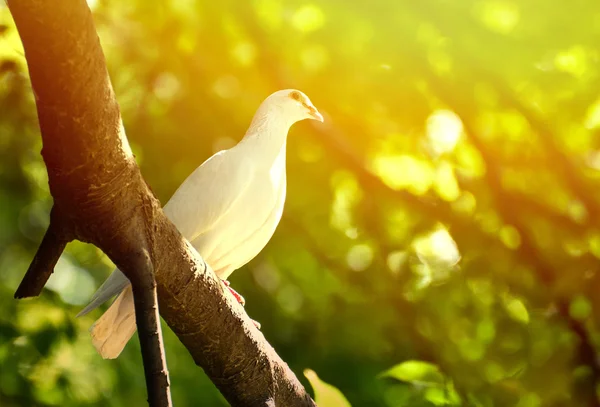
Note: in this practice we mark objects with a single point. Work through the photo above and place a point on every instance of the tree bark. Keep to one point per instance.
(100, 197)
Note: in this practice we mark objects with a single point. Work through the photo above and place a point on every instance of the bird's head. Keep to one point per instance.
(292, 104)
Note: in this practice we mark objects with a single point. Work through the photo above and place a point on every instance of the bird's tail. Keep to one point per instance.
(111, 332)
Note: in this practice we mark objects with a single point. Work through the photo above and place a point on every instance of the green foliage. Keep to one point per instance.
(446, 211)
(326, 395)
(427, 382)
(416, 372)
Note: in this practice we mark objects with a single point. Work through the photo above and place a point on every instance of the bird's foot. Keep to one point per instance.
(236, 295)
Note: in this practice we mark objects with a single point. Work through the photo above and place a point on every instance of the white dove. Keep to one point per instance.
(228, 209)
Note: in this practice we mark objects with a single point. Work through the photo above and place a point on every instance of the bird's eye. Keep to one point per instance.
(295, 96)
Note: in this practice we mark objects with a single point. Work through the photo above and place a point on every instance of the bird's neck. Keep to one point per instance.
(268, 133)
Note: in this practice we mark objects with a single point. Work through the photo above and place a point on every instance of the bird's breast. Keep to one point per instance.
(247, 228)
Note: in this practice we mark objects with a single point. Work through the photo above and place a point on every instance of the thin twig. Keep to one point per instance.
(149, 331)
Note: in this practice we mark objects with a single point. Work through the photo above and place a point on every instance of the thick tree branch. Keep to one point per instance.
(101, 198)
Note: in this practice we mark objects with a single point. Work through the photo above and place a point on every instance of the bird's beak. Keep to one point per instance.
(314, 114)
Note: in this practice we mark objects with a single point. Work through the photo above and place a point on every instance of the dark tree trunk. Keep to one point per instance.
(100, 197)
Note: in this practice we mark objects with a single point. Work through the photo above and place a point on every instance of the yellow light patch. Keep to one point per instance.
(444, 129)
(404, 172)
(573, 61)
(270, 14)
(396, 260)
(592, 118)
(308, 18)
(499, 16)
(440, 61)
(347, 194)
(244, 53)
(227, 87)
(446, 184)
(437, 248)
(314, 57)
(359, 257)
(510, 237)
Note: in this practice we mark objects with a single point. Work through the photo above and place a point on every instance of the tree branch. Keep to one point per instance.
(101, 198)
(149, 331)
(42, 265)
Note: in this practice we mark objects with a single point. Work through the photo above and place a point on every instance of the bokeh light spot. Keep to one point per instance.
(74, 284)
(290, 298)
(244, 53)
(594, 242)
(404, 172)
(592, 118)
(573, 61)
(347, 194)
(314, 57)
(396, 260)
(437, 248)
(580, 308)
(510, 237)
(227, 87)
(270, 14)
(359, 257)
(446, 184)
(444, 129)
(308, 18)
(267, 276)
(465, 203)
(499, 16)
(166, 86)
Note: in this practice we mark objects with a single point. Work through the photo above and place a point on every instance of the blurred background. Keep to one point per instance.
(441, 238)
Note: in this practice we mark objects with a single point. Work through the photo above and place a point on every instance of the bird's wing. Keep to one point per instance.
(114, 284)
(204, 197)
(209, 193)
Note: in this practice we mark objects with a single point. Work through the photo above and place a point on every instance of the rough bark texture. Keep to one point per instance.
(100, 197)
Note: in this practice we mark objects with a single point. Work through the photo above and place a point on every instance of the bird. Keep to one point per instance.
(228, 209)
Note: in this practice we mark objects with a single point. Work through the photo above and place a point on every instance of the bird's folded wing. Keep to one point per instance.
(209, 193)
(203, 198)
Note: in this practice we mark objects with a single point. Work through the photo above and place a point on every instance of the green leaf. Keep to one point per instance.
(437, 396)
(326, 395)
(516, 309)
(446, 396)
(416, 372)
